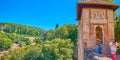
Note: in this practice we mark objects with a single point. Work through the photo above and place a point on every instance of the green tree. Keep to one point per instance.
(20, 29)
(33, 53)
(49, 35)
(58, 49)
(21, 44)
(17, 54)
(27, 41)
(27, 53)
(67, 31)
(5, 43)
(38, 41)
(117, 28)
(3, 35)
(56, 26)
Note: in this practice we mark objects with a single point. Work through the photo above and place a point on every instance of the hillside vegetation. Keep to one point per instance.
(20, 29)
(35, 43)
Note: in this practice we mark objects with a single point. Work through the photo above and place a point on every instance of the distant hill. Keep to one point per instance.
(20, 29)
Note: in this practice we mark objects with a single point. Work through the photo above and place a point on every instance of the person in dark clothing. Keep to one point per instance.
(99, 49)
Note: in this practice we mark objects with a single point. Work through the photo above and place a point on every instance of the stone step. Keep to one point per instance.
(101, 58)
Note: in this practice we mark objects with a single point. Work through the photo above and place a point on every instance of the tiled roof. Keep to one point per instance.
(97, 2)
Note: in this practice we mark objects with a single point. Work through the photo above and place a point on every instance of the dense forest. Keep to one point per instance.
(54, 44)
(20, 29)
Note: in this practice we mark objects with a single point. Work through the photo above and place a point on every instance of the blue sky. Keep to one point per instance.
(39, 13)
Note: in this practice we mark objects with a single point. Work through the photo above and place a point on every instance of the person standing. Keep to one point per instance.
(113, 48)
(99, 49)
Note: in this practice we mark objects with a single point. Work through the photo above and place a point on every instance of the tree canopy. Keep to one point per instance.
(57, 49)
(20, 29)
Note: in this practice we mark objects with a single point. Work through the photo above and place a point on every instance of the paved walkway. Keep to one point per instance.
(118, 57)
(105, 58)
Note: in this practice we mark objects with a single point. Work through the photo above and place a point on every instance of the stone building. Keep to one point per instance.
(95, 24)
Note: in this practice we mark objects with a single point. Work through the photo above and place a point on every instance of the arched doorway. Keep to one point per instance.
(99, 35)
